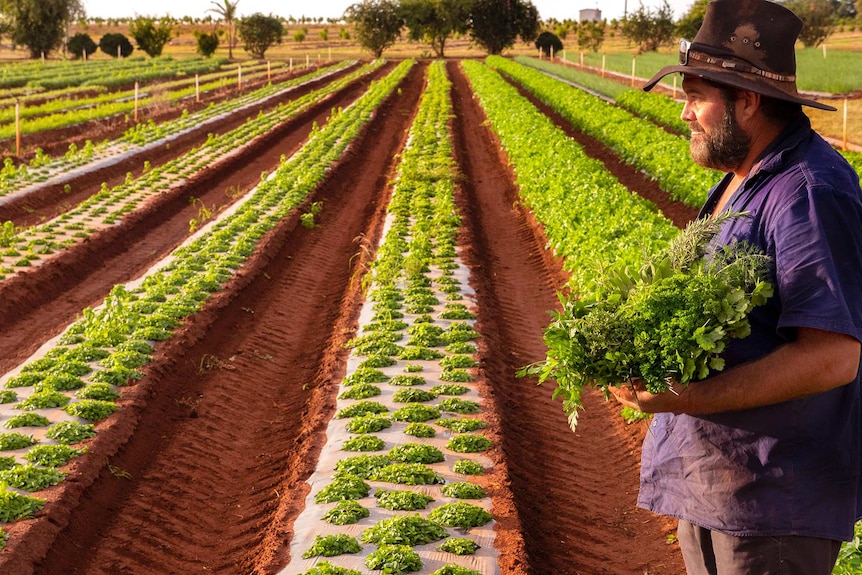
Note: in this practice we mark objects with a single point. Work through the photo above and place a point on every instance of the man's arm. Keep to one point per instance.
(816, 362)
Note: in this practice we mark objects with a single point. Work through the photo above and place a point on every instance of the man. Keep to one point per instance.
(761, 462)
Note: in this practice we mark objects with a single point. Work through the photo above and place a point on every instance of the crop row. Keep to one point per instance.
(42, 167)
(658, 108)
(416, 435)
(589, 217)
(24, 248)
(59, 100)
(108, 73)
(68, 113)
(662, 156)
(53, 401)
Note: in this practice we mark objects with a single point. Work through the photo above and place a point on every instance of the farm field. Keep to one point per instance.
(244, 257)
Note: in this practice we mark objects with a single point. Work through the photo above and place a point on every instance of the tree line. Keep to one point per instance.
(494, 25)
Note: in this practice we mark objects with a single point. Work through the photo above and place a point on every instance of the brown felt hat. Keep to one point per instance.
(746, 44)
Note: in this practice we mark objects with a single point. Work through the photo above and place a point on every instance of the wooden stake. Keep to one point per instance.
(633, 71)
(824, 51)
(582, 59)
(845, 125)
(239, 77)
(268, 71)
(197, 88)
(17, 128)
(136, 102)
(674, 86)
(603, 65)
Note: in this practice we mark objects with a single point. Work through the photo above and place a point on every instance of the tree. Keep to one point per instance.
(548, 42)
(37, 24)
(227, 10)
(259, 32)
(377, 24)
(74, 12)
(691, 22)
(207, 43)
(79, 44)
(649, 28)
(591, 35)
(112, 42)
(818, 17)
(150, 38)
(496, 24)
(435, 21)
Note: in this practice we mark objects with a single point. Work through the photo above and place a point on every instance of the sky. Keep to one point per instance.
(559, 9)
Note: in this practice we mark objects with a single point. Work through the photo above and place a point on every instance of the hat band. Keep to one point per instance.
(739, 67)
(687, 52)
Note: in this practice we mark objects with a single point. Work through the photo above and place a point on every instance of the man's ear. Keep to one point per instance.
(747, 104)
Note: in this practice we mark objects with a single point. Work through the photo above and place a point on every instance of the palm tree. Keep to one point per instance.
(227, 10)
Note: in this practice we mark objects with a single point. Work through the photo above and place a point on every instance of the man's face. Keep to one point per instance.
(717, 139)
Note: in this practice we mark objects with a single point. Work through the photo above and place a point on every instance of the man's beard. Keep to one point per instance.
(724, 148)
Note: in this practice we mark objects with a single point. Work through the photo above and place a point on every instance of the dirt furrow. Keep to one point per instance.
(568, 527)
(231, 414)
(37, 304)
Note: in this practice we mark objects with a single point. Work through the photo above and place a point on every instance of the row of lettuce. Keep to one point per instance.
(21, 249)
(61, 112)
(42, 167)
(624, 128)
(20, 78)
(429, 509)
(53, 401)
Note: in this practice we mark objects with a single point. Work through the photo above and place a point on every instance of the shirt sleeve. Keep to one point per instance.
(816, 236)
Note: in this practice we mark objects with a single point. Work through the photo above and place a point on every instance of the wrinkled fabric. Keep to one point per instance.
(792, 468)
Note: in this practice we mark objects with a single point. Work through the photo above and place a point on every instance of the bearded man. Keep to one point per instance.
(761, 462)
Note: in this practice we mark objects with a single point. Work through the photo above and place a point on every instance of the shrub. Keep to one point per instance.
(112, 42)
(81, 43)
(207, 43)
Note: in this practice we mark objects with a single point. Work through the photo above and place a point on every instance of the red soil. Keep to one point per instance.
(203, 469)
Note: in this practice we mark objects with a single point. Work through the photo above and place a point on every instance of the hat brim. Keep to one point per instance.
(734, 80)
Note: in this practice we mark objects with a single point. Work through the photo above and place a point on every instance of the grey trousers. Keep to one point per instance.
(708, 552)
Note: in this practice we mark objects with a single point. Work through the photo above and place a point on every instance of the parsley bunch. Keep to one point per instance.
(668, 321)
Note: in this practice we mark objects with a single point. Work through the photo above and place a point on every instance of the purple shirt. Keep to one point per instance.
(791, 468)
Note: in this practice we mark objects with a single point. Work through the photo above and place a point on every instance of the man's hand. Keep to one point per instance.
(635, 395)
(816, 362)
